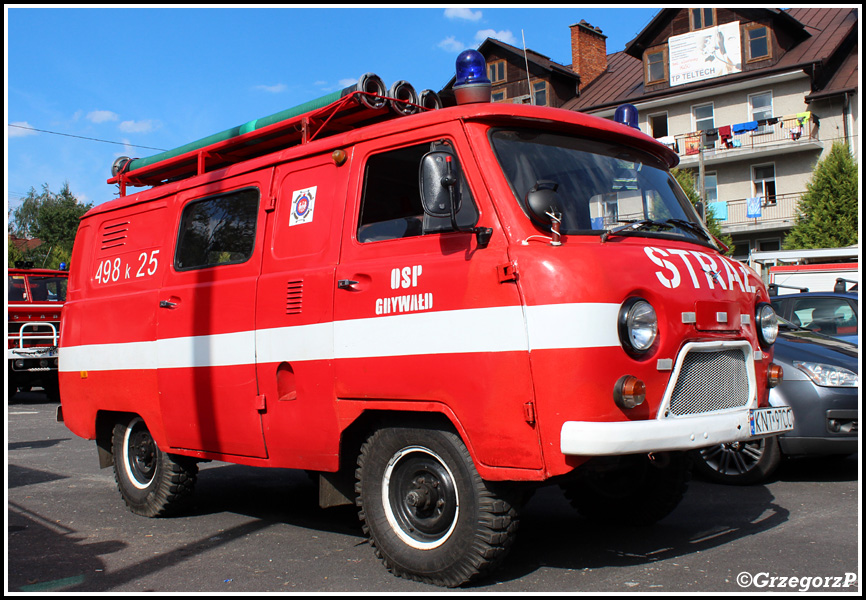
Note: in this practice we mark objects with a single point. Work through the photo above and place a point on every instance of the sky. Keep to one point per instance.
(136, 81)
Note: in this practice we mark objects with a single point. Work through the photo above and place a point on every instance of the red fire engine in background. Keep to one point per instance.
(434, 308)
(35, 298)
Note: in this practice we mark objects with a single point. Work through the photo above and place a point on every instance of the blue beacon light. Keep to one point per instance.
(471, 84)
(627, 115)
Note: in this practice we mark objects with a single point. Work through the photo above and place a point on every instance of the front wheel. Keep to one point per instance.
(151, 482)
(429, 515)
(740, 463)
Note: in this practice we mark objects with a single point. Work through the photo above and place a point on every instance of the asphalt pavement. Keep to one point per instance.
(261, 530)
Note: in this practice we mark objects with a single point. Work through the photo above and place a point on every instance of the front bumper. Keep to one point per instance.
(32, 359)
(659, 435)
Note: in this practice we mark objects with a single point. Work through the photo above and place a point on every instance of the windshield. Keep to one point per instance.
(600, 186)
(48, 288)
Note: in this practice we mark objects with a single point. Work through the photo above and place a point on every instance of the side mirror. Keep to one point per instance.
(437, 180)
(541, 200)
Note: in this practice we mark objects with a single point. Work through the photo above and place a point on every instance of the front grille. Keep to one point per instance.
(711, 381)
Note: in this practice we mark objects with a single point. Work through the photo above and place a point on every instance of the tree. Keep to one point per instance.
(53, 218)
(686, 180)
(827, 214)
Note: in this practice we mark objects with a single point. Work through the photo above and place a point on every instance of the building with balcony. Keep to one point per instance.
(751, 99)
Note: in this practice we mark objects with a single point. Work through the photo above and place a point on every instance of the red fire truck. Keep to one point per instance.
(435, 309)
(34, 302)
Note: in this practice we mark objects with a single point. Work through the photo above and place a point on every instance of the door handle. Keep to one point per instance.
(346, 284)
(167, 304)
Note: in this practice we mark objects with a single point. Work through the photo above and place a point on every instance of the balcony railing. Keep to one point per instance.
(777, 211)
(753, 135)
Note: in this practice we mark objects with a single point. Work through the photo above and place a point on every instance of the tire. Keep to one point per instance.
(429, 515)
(635, 490)
(151, 482)
(739, 463)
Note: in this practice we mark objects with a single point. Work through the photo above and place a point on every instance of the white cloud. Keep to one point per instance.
(450, 44)
(101, 116)
(272, 89)
(502, 36)
(15, 129)
(465, 14)
(136, 126)
(344, 83)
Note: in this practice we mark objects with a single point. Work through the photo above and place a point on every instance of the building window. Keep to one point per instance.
(770, 245)
(656, 67)
(496, 71)
(539, 92)
(702, 17)
(761, 108)
(711, 187)
(498, 96)
(758, 43)
(659, 125)
(703, 117)
(764, 178)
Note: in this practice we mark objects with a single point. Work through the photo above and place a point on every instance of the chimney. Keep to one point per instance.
(588, 52)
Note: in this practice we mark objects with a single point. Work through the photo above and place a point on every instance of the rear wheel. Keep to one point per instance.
(429, 515)
(635, 489)
(151, 482)
(740, 463)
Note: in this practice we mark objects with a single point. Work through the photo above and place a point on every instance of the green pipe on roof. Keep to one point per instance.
(255, 124)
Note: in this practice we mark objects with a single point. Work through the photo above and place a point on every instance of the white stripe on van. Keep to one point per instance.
(496, 329)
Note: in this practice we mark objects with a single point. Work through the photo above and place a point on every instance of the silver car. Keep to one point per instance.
(821, 385)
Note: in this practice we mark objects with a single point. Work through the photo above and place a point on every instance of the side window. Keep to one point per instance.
(827, 315)
(48, 289)
(391, 200)
(218, 230)
(17, 292)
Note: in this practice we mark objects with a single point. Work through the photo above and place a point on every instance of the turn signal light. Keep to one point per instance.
(774, 375)
(629, 392)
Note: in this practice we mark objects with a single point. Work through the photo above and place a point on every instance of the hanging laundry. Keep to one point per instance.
(719, 210)
(744, 127)
(726, 136)
(693, 144)
(753, 207)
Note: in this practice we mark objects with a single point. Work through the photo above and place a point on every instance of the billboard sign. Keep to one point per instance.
(704, 54)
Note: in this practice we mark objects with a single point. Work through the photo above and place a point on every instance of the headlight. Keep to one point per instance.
(638, 325)
(768, 324)
(828, 375)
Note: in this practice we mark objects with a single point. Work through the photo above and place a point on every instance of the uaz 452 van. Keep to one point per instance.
(433, 308)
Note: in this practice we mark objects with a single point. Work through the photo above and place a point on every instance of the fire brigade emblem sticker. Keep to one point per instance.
(303, 202)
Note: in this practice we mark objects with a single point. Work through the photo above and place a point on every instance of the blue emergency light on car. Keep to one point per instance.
(627, 115)
(471, 84)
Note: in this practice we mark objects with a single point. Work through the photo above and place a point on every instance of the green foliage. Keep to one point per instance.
(827, 214)
(686, 179)
(52, 218)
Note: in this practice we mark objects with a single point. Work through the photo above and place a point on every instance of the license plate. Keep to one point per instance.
(769, 421)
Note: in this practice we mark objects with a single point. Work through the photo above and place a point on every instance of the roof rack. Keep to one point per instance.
(355, 106)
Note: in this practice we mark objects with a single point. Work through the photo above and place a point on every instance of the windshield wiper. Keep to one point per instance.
(634, 226)
(683, 224)
(666, 224)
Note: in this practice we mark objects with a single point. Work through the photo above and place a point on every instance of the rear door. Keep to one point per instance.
(295, 312)
(206, 319)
